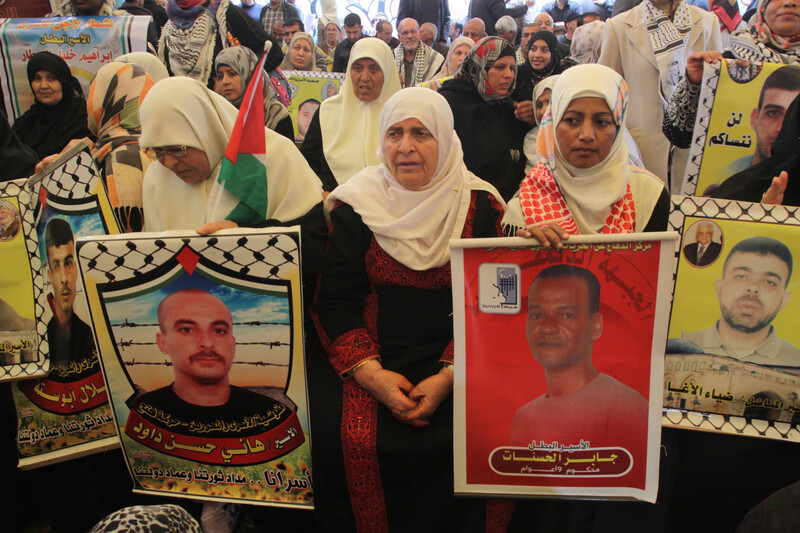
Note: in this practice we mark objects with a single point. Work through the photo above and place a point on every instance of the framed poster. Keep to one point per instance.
(309, 90)
(559, 365)
(739, 115)
(65, 414)
(732, 363)
(201, 340)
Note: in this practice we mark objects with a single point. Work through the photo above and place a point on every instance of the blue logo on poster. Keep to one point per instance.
(507, 281)
(499, 288)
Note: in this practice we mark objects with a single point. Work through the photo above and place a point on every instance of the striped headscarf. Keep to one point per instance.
(476, 64)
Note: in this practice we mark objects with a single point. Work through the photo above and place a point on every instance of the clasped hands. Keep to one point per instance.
(408, 403)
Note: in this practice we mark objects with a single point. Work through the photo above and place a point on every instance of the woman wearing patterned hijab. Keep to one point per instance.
(114, 98)
(235, 67)
(480, 97)
(583, 183)
(300, 53)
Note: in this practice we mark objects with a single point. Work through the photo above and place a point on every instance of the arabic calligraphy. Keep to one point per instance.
(561, 461)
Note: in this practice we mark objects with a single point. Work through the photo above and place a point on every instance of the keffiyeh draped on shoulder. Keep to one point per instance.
(427, 63)
(759, 43)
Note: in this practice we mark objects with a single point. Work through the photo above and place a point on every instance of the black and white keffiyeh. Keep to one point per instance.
(426, 63)
(668, 39)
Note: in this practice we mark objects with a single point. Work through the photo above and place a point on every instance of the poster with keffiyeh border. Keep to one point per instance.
(309, 90)
(732, 361)
(736, 124)
(23, 345)
(65, 414)
(201, 341)
(559, 365)
(85, 43)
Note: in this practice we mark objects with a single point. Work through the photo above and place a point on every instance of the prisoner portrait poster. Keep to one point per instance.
(202, 347)
(309, 90)
(85, 43)
(23, 354)
(558, 365)
(740, 113)
(66, 413)
(733, 354)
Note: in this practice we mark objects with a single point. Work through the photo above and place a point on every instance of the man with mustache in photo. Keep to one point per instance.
(751, 293)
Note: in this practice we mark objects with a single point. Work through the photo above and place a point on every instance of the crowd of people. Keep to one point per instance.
(490, 127)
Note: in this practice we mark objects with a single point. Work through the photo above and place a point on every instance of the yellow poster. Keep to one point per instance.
(309, 90)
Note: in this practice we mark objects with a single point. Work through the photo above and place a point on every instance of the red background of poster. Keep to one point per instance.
(501, 373)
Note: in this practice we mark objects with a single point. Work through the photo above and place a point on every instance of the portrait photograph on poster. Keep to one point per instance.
(741, 111)
(546, 404)
(23, 353)
(732, 361)
(204, 360)
(67, 413)
(309, 90)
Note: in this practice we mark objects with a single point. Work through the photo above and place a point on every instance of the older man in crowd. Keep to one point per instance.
(427, 34)
(416, 62)
(507, 29)
(383, 31)
(475, 29)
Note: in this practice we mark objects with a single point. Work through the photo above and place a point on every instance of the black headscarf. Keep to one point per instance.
(751, 183)
(48, 128)
(18, 159)
(528, 77)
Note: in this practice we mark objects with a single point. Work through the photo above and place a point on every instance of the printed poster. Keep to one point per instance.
(559, 364)
(733, 357)
(309, 90)
(740, 114)
(23, 349)
(66, 414)
(202, 346)
(85, 43)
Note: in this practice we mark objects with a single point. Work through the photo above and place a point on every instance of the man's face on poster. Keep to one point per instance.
(197, 335)
(560, 328)
(63, 275)
(752, 290)
(767, 121)
(704, 234)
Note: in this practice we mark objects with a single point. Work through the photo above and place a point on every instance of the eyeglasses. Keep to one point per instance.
(160, 153)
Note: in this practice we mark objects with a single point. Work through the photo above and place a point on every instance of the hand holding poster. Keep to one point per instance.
(740, 114)
(733, 363)
(565, 400)
(202, 346)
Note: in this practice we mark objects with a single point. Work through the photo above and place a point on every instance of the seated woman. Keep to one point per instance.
(235, 67)
(458, 49)
(115, 96)
(542, 60)
(583, 183)
(480, 97)
(383, 308)
(185, 129)
(300, 54)
(56, 116)
(773, 38)
(198, 30)
(342, 137)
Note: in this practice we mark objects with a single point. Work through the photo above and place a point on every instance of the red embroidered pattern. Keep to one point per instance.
(351, 348)
(542, 204)
(498, 515)
(448, 354)
(359, 445)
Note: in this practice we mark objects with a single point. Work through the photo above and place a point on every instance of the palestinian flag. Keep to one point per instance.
(244, 171)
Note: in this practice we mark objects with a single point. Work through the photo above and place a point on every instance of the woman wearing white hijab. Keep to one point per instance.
(583, 182)
(188, 127)
(383, 314)
(586, 41)
(343, 135)
(150, 63)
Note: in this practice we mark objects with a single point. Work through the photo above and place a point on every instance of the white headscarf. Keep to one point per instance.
(415, 227)
(349, 126)
(182, 111)
(150, 63)
(586, 40)
(529, 144)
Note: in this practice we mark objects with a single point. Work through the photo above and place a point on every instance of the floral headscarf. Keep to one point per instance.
(476, 64)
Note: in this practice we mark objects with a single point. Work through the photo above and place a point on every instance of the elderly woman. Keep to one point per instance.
(342, 137)
(480, 97)
(583, 183)
(384, 309)
(459, 48)
(56, 116)
(235, 67)
(300, 54)
(198, 30)
(773, 38)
